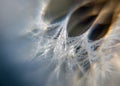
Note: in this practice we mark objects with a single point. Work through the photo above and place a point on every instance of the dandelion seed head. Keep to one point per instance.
(78, 60)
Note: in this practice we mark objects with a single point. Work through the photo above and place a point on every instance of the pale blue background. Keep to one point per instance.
(16, 49)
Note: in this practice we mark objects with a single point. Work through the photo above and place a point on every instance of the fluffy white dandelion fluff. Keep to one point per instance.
(79, 60)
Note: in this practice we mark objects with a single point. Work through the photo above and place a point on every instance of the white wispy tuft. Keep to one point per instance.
(75, 60)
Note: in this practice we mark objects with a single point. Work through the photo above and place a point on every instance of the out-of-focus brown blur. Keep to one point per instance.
(98, 16)
(85, 14)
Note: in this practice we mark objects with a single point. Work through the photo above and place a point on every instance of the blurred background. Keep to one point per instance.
(16, 49)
